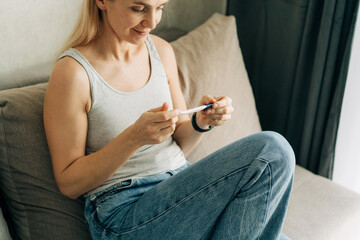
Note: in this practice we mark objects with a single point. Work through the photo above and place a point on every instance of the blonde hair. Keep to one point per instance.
(86, 28)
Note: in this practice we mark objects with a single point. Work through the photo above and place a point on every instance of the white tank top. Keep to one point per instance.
(113, 111)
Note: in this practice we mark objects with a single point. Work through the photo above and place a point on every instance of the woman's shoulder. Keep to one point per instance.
(159, 41)
(68, 68)
(163, 48)
(69, 80)
(69, 74)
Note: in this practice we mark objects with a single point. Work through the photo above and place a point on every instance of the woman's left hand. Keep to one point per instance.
(218, 114)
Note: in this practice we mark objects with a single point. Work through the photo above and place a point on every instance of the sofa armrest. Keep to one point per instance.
(321, 209)
(4, 231)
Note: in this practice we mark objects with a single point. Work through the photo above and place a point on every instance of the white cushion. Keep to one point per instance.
(4, 231)
(210, 62)
(320, 209)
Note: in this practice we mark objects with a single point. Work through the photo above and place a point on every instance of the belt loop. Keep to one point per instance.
(126, 183)
(92, 198)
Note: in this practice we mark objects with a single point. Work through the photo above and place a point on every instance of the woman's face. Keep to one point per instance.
(132, 20)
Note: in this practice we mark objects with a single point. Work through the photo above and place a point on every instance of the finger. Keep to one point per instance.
(222, 102)
(162, 134)
(219, 117)
(168, 130)
(166, 124)
(162, 113)
(163, 108)
(165, 116)
(224, 110)
(213, 122)
(217, 123)
(207, 99)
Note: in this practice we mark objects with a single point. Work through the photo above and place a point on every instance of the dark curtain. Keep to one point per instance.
(297, 53)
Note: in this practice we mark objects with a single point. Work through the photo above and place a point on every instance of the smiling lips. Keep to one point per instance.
(142, 33)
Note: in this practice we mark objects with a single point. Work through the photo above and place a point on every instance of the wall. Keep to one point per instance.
(32, 32)
(347, 158)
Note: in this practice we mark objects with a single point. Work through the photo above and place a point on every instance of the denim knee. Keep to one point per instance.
(284, 159)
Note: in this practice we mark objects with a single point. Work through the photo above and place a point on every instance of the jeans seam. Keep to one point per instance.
(178, 203)
(269, 193)
(97, 221)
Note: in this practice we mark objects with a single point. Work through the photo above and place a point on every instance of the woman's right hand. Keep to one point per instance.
(155, 125)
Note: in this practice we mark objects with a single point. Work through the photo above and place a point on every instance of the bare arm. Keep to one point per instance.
(67, 101)
(185, 135)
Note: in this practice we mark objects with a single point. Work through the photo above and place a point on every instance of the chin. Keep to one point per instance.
(138, 37)
(137, 40)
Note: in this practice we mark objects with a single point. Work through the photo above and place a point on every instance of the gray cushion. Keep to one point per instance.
(37, 207)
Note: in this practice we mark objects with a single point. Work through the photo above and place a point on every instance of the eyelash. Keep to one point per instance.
(137, 10)
(143, 10)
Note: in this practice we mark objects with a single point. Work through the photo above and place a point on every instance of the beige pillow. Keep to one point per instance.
(210, 62)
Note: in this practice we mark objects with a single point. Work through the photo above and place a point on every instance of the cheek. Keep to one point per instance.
(121, 19)
(130, 22)
(158, 17)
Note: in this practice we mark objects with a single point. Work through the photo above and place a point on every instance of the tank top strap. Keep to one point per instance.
(90, 71)
(97, 84)
(76, 55)
(157, 65)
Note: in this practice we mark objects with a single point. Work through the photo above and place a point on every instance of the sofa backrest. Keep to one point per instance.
(28, 52)
(28, 59)
(209, 62)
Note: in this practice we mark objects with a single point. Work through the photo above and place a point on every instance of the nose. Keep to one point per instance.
(150, 20)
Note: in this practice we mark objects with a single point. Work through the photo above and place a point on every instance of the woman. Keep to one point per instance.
(115, 134)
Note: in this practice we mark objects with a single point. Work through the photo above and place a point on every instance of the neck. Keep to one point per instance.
(111, 47)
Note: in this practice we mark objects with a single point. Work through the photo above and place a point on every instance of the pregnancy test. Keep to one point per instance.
(197, 109)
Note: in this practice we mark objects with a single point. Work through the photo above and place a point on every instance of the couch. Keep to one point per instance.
(209, 62)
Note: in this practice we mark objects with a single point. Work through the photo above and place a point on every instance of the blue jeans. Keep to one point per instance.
(238, 192)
